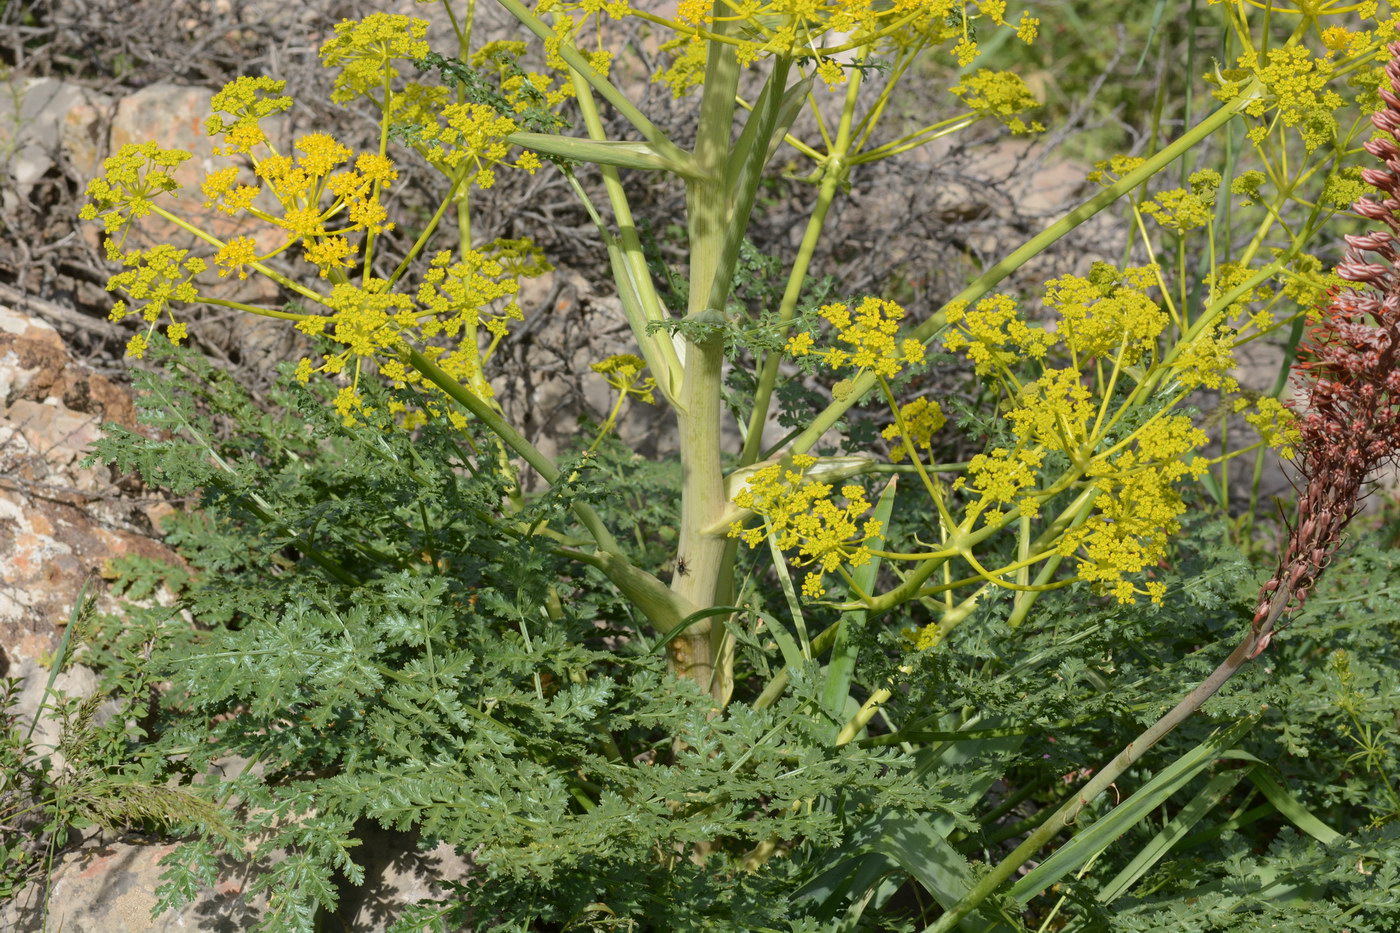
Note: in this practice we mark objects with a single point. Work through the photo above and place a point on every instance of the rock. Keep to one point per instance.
(109, 887)
(48, 122)
(60, 522)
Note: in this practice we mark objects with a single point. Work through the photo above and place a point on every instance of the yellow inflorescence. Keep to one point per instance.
(329, 202)
(1207, 360)
(868, 332)
(624, 373)
(1180, 210)
(1107, 313)
(1001, 477)
(993, 336)
(920, 420)
(999, 94)
(806, 520)
(1276, 424)
(130, 182)
(157, 276)
(1296, 82)
(1054, 411)
(236, 112)
(365, 51)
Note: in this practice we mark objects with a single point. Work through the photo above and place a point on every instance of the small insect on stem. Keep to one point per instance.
(682, 567)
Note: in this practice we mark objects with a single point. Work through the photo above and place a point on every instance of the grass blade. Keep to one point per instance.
(1101, 834)
(1175, 830)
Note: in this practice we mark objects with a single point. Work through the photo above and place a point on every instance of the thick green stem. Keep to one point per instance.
(697, 652)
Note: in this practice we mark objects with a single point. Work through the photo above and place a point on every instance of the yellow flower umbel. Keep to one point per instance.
(624, 373)
(365, 51)
(1001, 95)
(917, 421)
(238, 109)
(1296, 82)
(993, 336)
(805, 520)
(130, 182)
(157, 276)
(869, 335)
(1107, 313)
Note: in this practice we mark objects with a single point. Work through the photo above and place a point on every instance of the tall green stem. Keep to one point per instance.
(697, 652)
(833, 173)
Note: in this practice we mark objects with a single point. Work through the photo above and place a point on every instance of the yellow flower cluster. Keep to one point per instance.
(1054, 412)
(917, 422)
(1307, 281)
(474, 135)
(623, 372)
(453, 303)
(1001, 95)
(243, 102)
(129, 184)
(804, 519)
(1137, 509)
(300, 185)
(1344, 187)
(1276, 423)
(158, 276)
(992, 335)
(1107, 312)
(367, 320)
(1247, 185)
(1180, 210)
(365, 51)
(869, 332)
(1207, 360)
(454, 295)
(1296, 82)
(223, 191)
(1106, 315)
(1107, 171)
(1001, 477)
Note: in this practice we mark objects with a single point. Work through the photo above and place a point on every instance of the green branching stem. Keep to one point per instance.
(833, 174)
(661, 607)
(698, 653)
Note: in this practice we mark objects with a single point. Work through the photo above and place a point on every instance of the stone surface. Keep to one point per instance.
(60, 521)
(109, 887)
(45, 123)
